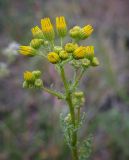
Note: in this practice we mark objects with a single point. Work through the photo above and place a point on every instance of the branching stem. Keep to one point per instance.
(72, 113)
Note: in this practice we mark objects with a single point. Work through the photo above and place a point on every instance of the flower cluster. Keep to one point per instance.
(56, 54)
(32, 79)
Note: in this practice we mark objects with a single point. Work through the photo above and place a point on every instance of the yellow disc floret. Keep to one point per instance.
(27, 50)
(61, 26)
(79, 52)
(37, 32)
(28, 76)
(47, 29)
(53, 57)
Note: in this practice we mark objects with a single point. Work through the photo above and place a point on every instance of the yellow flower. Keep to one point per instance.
(86, 31)
(27, 50)
(63, 55)
(28, 76)
(37, 32)
(47, 29)
(36, 43)
(61, 26)
(89, 52)
(53, 57)
(70, 47)
(79, 52)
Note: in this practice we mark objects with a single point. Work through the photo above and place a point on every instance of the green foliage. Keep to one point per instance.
(85, 148)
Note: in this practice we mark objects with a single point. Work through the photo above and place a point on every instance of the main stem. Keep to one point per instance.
(72, 113)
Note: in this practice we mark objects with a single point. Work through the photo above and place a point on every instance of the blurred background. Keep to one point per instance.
(29, 120)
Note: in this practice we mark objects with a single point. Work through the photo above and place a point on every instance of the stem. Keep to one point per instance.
(61, 42)
(78, 79)
(54, 93)
(72, 113)
(78, 115)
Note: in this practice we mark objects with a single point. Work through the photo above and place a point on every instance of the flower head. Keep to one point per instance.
(28, 76)
(86, 31)
(47, 29)
(36, 43)
(63, 55)
(27, 50)
(61, 26)
(89, 52)
(53, 57)
(37, 32)
(75, 32)
(70, 47)
(79, 52)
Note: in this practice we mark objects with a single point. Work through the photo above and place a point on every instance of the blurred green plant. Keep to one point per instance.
(114, 124)
(79, 57)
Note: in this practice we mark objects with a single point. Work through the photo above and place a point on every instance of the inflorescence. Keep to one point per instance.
(72, 53)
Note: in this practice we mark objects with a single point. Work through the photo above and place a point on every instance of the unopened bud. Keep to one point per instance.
(36, 74)
(75, 32)
(63, 55)
(95, 62)
(57, 49)
(38, 83)
(53, 57)
(36, 43)
(70, 47)
(85, 63)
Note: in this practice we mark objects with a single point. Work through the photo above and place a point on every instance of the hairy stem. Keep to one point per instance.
(72, 113)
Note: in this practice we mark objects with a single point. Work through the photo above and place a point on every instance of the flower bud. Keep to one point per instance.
(70, 47)
(76, 63)
(63, 55)
(85, 63)
(36, 74)
(36, 43)
(86, 31)
(79, 94)
(61, 26)
(95, 62)
(75, 32)
(25, 84)
(57, 49)
(28, 76)
(79, 53)
(47, 29)
(38, 83)
(53, 57)
(27, 50)
(89, 52)
(37, 32)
